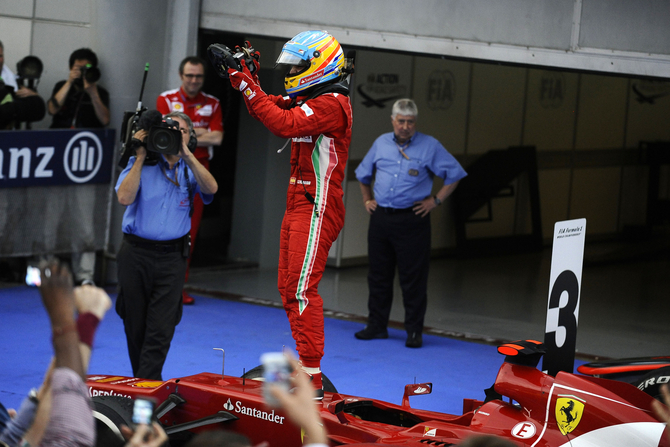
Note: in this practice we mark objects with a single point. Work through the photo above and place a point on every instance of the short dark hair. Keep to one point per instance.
(193, 60)
(84, 53)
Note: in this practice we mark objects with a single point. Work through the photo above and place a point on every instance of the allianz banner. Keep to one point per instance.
(56, 157)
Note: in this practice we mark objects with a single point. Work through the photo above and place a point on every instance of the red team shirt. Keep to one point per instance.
(204, 110)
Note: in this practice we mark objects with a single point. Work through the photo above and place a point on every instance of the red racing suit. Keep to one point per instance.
(321, 133)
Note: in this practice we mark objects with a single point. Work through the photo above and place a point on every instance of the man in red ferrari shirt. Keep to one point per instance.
(205, 113)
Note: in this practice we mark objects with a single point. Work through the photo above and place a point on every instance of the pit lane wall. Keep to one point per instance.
(55, 190)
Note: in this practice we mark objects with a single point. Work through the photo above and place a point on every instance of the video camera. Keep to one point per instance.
(223, 58)
(163, 135)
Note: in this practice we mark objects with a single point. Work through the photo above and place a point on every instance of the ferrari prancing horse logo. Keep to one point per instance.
(569, 410)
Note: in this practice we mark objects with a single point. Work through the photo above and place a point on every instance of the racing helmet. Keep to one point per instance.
(319, 55)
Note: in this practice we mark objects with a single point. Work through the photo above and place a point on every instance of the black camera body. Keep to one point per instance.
(15, 110)
(29, 70)
(90, 73)
(164, 136)
(223, 58)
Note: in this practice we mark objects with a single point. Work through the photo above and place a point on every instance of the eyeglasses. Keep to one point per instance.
(194, 76)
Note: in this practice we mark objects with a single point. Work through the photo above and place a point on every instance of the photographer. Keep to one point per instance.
(205, 112)
(152, 259)
(78, 101)
(18, 103)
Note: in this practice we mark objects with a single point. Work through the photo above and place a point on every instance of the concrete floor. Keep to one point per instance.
(624, 310)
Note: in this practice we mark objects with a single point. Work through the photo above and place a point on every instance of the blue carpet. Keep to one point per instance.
(376, 369)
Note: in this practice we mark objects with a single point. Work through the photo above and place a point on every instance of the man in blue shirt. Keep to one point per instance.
(152, 258)
(403, 163)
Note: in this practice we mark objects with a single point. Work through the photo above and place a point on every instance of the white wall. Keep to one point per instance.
(615, 36)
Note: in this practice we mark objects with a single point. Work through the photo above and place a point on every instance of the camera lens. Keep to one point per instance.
(92, 75)
(164, 140)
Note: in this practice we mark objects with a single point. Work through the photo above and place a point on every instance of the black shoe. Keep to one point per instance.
(370, 333)
(414, 340)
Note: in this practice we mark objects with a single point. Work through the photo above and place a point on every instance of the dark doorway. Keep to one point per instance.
(211, 247)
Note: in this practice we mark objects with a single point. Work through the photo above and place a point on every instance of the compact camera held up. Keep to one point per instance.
(223, 58)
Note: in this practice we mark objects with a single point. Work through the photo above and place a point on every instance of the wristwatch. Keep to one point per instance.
(437, 201)
(32, 395)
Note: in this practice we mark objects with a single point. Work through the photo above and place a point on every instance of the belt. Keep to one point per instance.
(159, 246)
(395, 210)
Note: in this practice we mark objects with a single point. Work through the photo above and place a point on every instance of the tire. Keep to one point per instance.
(651, 382)
(110, 412)
(257, 374)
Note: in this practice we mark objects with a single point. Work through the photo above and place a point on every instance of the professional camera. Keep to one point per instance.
(29, 70)
(90, 73)
(163, 136)
(223, 58)
(17, 110)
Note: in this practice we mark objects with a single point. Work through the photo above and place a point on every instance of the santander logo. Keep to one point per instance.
(312, 77)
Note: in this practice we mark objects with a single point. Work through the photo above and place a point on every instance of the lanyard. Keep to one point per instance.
(402, 148)
(189, 185)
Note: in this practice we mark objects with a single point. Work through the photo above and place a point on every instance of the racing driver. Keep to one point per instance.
(317, 116)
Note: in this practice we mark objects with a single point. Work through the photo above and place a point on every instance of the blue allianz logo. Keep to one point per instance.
(82, 157)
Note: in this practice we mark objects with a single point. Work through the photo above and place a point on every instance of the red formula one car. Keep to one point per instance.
(524, 405)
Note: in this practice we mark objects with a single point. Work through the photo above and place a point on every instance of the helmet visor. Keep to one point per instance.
(286, 58)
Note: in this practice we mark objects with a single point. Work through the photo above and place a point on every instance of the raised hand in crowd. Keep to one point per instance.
(300, 406)
(59, 409)
(144, 435)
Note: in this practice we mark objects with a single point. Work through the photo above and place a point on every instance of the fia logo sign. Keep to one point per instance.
(82, 157)
(552, 90)
(441, 89)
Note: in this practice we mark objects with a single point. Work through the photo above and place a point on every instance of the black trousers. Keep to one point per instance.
(402, 240)
(150, 304)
